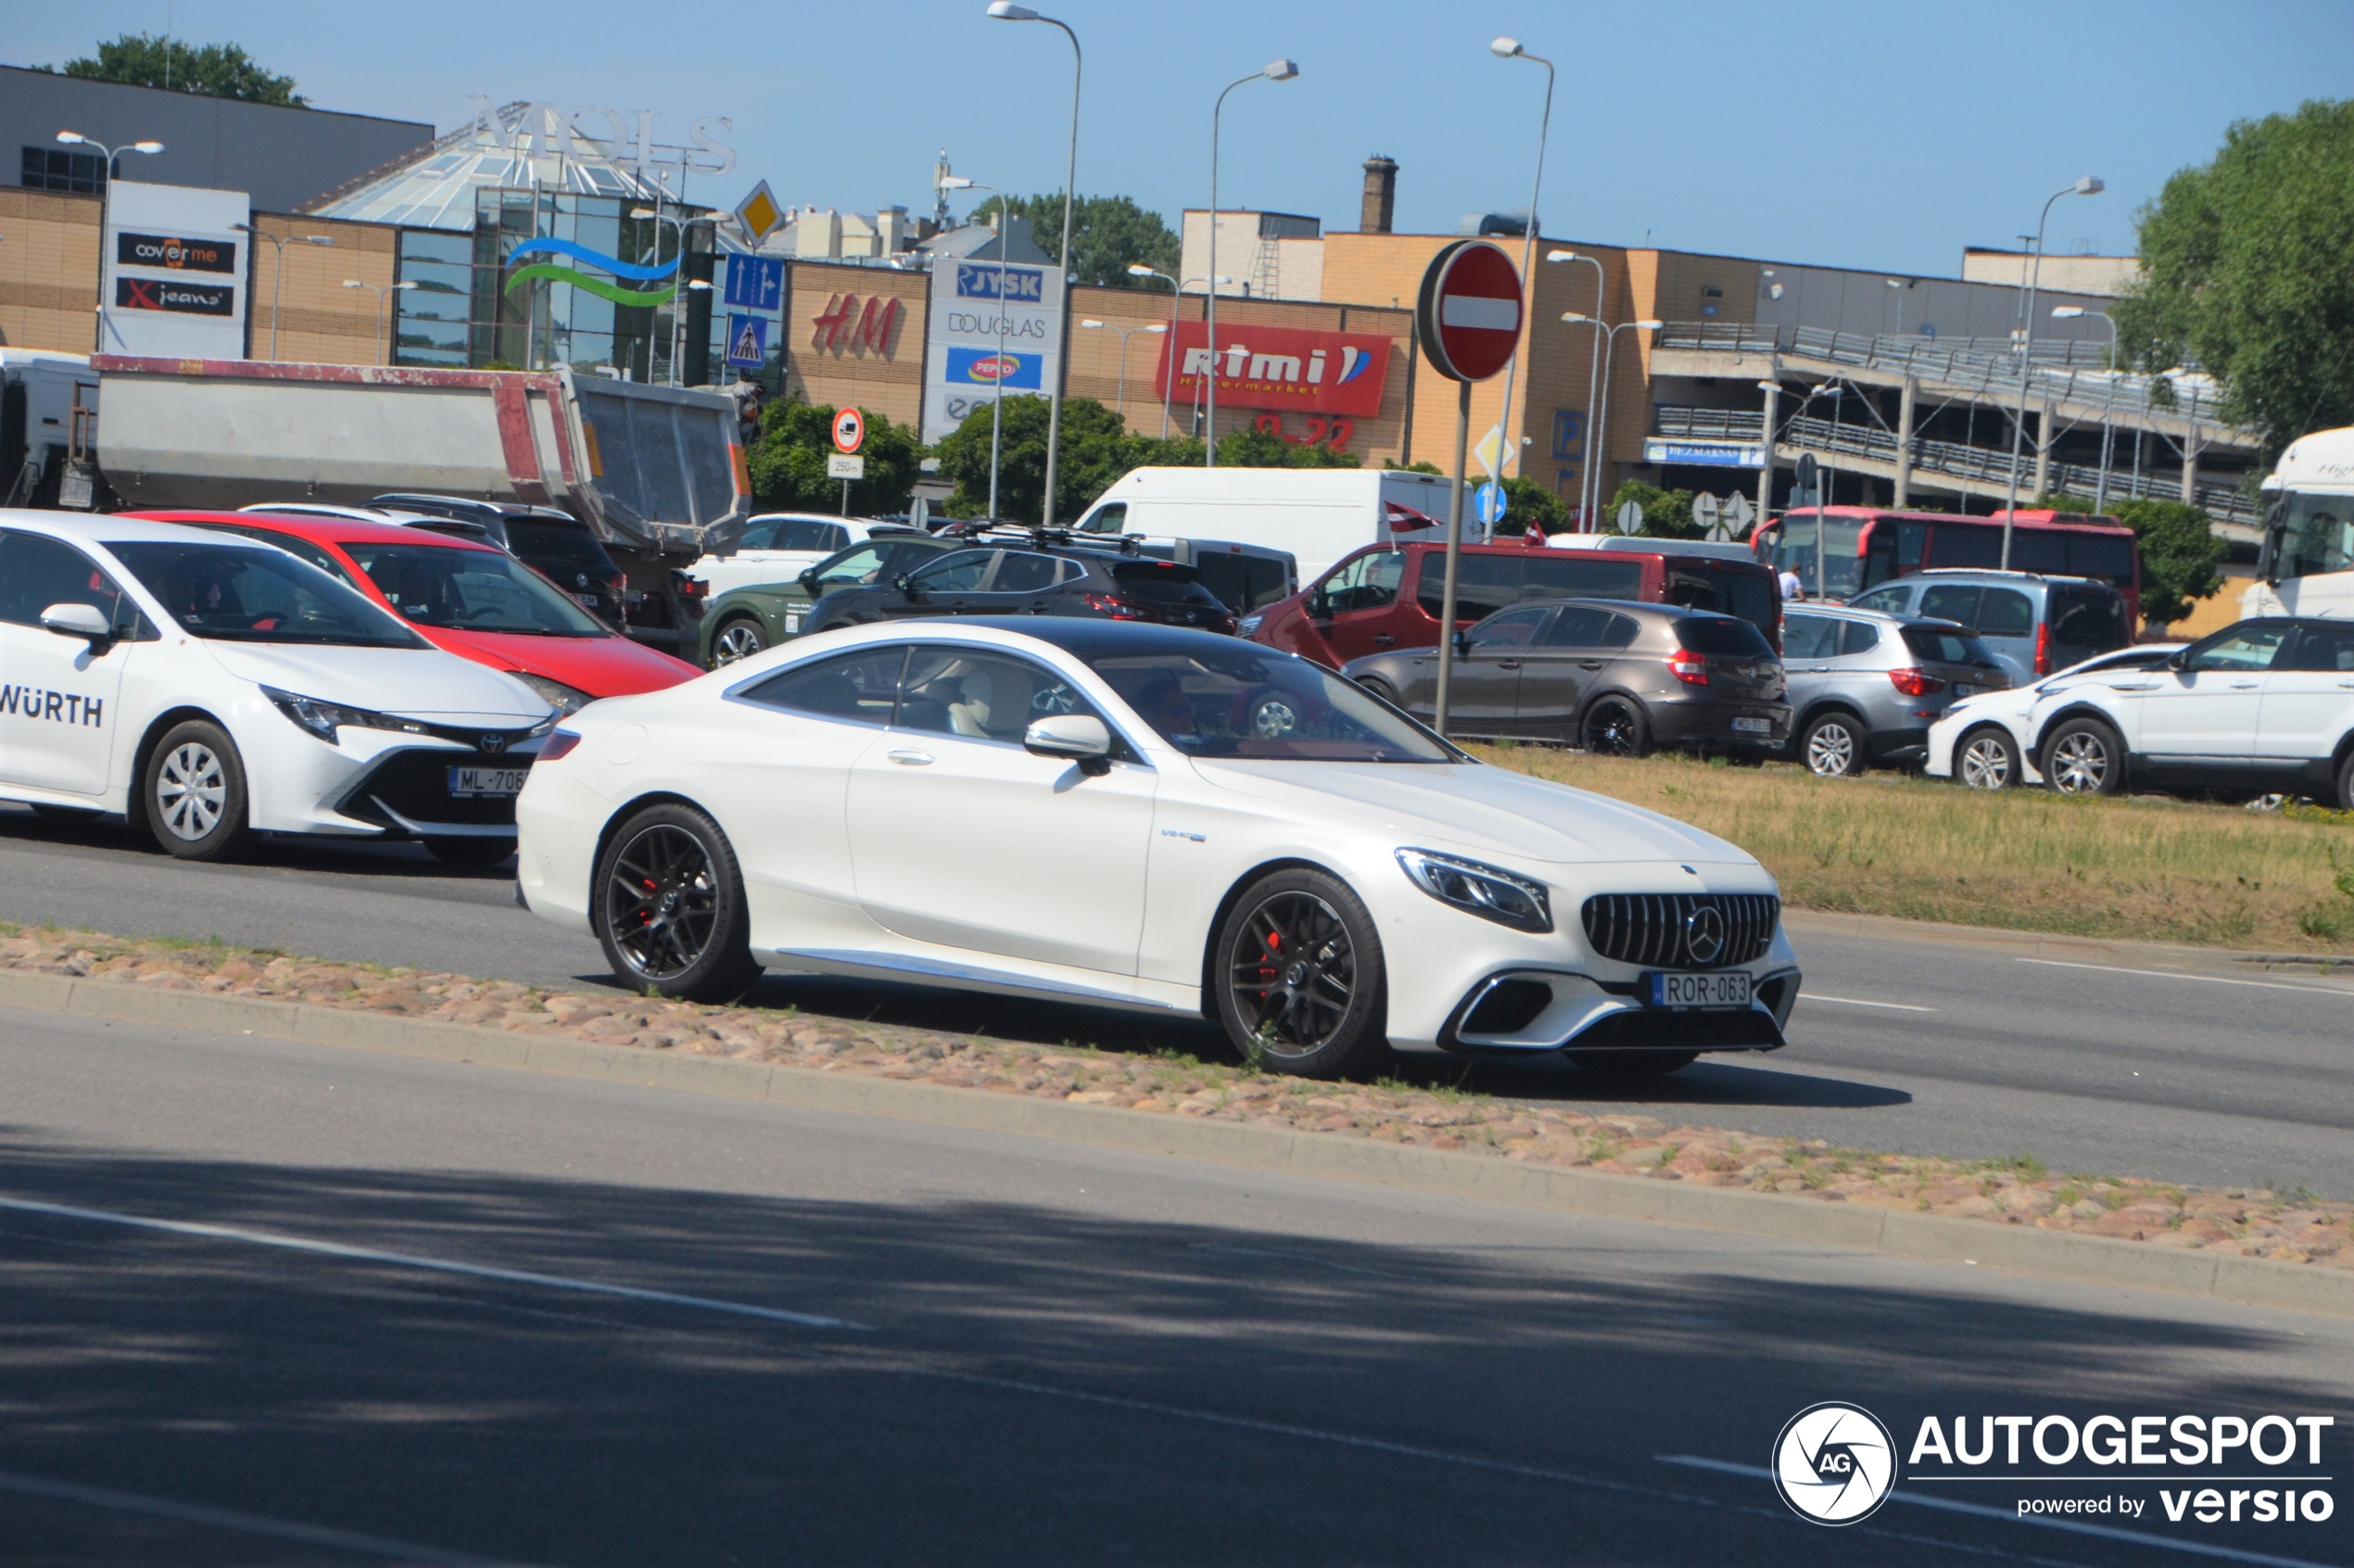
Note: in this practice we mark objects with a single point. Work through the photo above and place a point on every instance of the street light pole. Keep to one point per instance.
(2089, 184)
(677, 272)
(1155, 327)
(2108, 404)
(1586, 523)
(1508, 450)
(1006, 10)
(105, 204)
(1274, 70)
(1138, 269)
(382, 296)
(278, 271)
(1609, 352)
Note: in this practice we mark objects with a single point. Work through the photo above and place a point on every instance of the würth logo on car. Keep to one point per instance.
(178, 255)
(60, 707)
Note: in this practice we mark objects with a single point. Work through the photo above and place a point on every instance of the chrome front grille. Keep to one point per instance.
(1655, 930)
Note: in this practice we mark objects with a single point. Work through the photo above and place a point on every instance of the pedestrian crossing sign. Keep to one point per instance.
(747, 341)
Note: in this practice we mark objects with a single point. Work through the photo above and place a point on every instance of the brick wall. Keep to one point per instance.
(319, 321)
(48, 271)
(837, 364)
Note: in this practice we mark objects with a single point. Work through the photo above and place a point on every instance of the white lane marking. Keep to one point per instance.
(2196, 1549)
(250, 1523)
(2170, 974)
(412, 1261)
(1859, 1002)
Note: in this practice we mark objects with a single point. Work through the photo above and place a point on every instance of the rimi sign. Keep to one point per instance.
(1291, 369)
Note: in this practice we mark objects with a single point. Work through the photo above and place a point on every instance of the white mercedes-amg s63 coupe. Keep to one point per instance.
(1145, 817)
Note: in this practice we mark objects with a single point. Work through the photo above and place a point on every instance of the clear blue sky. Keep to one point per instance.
(1881, 135)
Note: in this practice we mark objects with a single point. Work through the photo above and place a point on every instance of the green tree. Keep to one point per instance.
(216, 71)
(1525, 501)
(787, 462)
(1106, 234)
(1667, 514)
(1091, 436)
(1253, 448)
(2243, 271)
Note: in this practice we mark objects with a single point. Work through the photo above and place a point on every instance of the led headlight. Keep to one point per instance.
(324, 718)
(1248, 624)
(1489, 892)
(565, 698)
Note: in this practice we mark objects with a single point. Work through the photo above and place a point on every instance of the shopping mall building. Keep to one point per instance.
(536, 234)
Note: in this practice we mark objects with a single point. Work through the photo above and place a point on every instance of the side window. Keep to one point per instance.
(1517, 629)
(2243, 650)
(2006, 612)
(316, 554)
(979, 695)
(1809, 636)
(1889, 600)
(1564, 574)
(1483, 584)
(2328, 650)
(36, 573)
(823, 538)
(1951, 602)
(959, 571)
(861, 687)
(1621, 632)
(1581, 627)
(1859, 636)
(1370, 582)
(863, 567)
(1020, 571)
(1110, 518)
(759, 535)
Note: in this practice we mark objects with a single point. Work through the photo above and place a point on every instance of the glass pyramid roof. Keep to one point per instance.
(434, 189)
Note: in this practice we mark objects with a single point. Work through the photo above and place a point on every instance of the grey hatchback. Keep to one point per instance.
(1865, 687)
(1616, 677)
(2033, 622)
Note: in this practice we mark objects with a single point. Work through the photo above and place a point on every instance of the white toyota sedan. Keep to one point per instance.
(1145, 817)
(208, 686)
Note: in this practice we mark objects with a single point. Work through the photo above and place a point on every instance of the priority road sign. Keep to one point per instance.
(1468, 312)
(850, 429)
(1491, 503)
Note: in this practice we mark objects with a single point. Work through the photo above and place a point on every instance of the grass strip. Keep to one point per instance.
(2140, 868)
(2292, 1226)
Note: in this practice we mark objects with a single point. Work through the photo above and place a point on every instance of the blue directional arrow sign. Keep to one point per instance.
(1490, 502)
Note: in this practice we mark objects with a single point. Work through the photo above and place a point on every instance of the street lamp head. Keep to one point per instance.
(398, 286)
(1651, 326)
(1090, 323)
(1769, 386)
(1575, 316)
(1138, 269)
(955, 183)
(2091, 184)
(1895, 282)
(146, 146)
(643, 212)
(2066, 312)
(318, 239)
(353, 283)
(1006, 10)
(71, 138)
(1504, 48)
(1281, 70)
(1156, 326)
(697, 283)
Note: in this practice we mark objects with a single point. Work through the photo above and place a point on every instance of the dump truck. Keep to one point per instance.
(657, 472)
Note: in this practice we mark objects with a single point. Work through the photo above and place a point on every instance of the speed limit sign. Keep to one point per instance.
(850, 428)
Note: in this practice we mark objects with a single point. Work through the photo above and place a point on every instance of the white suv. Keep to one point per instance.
(2262, 706)
(1989, 741)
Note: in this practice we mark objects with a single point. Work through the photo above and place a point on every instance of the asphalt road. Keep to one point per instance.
(1924, 1047)
(855, 1340)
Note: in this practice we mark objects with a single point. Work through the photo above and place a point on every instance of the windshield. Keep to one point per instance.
(569, 543)
(255, 593)
(484, 591)
(1947, 648)
(1842, 553)
(2320, 535)
(1253, 703)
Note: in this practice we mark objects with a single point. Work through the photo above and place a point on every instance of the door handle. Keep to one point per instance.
(1383, 639)
(1508, 664)
(2348, 685)
(1591, 663)
(2243, 686)
(912, 759)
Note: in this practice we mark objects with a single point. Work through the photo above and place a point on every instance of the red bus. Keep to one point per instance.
(1864, 547)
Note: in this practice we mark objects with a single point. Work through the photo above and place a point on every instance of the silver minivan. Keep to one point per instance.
(2035, 623)
(1865, 687)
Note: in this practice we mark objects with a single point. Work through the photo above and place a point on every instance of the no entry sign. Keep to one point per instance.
(850, 428)
(1469, 310)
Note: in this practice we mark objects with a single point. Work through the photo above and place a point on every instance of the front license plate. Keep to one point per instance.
(1730, 988)
(1753, 726)
(466, 783)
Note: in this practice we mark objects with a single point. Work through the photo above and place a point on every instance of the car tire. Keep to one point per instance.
(1627, 1066)
(1383, 690)
(1987, 759)
(193, 792)
(1324, 1014)
(1615, 727)
(1834, 745)
(470, 853)
(670, 907)
(2345, 783)
(740, 637)
(2084, 756)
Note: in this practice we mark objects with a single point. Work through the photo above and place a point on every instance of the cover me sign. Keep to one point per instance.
(993, 329)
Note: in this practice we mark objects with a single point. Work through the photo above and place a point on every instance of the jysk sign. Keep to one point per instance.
(991, 330)
(168, 252)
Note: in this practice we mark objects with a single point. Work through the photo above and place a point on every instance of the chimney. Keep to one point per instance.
(1381, 195)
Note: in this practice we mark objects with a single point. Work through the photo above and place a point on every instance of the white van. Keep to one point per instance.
(1318, 514)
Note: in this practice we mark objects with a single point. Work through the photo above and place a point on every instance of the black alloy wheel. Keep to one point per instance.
(1987, 759)
(741, 639)
(1298, 976)
(1833, 746)
(1615, 727)
(670, 908)
(2084, 757)
(470, 853)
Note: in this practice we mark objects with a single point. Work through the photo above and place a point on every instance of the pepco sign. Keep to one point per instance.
(1291, 368)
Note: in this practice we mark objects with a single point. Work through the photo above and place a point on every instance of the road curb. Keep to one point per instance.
(2164, 954)
(2054, 1254)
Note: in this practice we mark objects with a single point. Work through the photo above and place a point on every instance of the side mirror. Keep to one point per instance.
(901, 583)
(1080, 738)
(1462, 642)
(85, 620)
(1320, 606)
(808, 580)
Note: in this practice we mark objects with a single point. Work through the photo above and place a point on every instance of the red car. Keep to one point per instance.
(470, 600)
